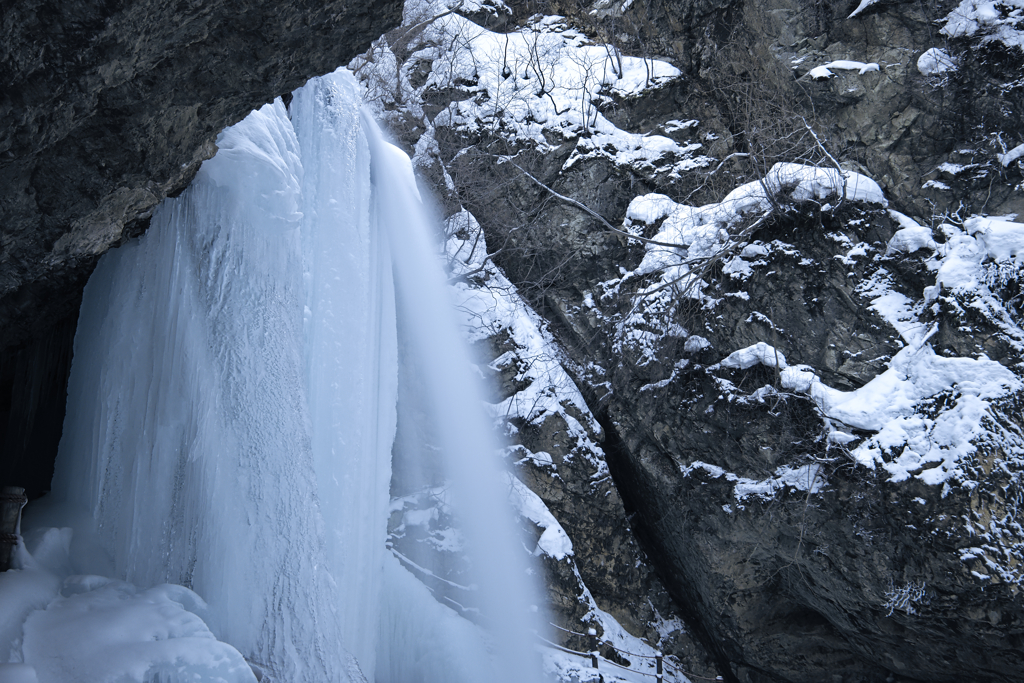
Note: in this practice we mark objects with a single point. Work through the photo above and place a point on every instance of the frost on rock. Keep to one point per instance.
(990, 21)
(445, 82)
(539, 403)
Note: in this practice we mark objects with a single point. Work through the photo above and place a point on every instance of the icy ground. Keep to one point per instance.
(63, 627)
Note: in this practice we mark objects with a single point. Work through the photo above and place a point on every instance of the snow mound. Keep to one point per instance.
(864, 4)
(1011, 156)
(889, 405)
(910, 239)
(59, 628)
(992, 21)
(760, 352)
(935, 61)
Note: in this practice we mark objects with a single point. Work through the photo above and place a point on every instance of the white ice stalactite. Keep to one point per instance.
(189, 436)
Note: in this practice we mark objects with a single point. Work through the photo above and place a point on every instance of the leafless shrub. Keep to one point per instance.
(903, 597)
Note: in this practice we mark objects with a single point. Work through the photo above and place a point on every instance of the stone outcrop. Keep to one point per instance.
(807, 580)
(792, 555)
(105, 109)
(747, 63)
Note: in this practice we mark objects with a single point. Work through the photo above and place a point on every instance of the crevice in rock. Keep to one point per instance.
(618, 458)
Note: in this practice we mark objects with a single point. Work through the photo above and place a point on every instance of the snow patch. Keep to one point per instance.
(1009, 157)
(824, 71)
(762, 353)
(864, 4)
(992, 21)
(935, 61)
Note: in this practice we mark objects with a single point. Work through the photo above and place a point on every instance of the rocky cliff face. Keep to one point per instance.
(107, 108)
(808, 384)
(806, 389)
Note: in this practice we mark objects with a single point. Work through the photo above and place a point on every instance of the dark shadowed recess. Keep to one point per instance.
(106, 108)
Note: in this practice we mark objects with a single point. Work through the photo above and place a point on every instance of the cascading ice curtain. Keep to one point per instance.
(232, 408)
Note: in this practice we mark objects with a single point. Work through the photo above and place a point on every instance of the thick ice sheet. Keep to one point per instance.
(231, 413)
(233, 392)
(351, 350)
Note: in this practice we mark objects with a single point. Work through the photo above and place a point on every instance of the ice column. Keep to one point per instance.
(351, 350)
(231, 409)
(228, 416)
(415, 627)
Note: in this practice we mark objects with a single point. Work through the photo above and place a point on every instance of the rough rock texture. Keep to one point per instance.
(747, 65)
(108, 107)
(794, 585)
(849, 574)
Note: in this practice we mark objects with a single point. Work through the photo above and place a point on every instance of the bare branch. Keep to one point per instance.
(588, 210)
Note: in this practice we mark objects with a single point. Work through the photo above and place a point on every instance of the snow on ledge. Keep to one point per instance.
(1011, 156)
(803, 478)
(895, 429)
(994, 22)
(824, 71)
(553, 541)
(935, 62)
(864, 4)
(762, 353)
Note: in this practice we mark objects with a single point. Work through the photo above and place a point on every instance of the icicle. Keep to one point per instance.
(351, 351)
(187, 437)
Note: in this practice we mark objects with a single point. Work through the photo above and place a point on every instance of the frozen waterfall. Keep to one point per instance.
(232, 410)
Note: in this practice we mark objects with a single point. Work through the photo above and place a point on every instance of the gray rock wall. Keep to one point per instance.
(105, 109)
(856, 576)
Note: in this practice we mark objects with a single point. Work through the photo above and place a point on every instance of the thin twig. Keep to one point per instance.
(588, 210)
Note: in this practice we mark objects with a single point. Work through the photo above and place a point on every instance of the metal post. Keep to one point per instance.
(661, 677)
(12, 499)
(593, 646)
